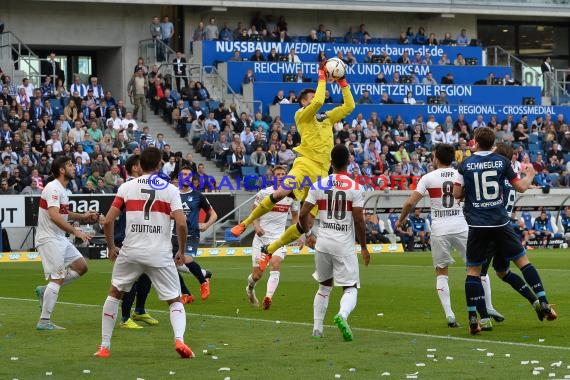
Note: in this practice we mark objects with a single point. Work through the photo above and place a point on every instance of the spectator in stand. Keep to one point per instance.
(328, 97)
(538, 164)
(359, 120)
(365, 98)
(313, 37)
(350, 59)
(386, 99)
(447, 79)
(478, 123)
(418, 60)
(462, 152)
(137, 89)
(211, 31)
(395, 78)
(462, 39)
(257, 56)
(429, 80)
(247, 138)
(520, 135)
(459, 60)
(555, 151)
(438, 136)
(300, 78)
(431, 41)
(380, 78)
(226, 33)
(292, 97)
(405, 58)
(420, 37)
(273, 56)
(293, 57)
(248, 78)
(259, 122)
(447, 40)
(541, 229)
(258, 158)
(444, 60)
(285, 156)
(403, 40)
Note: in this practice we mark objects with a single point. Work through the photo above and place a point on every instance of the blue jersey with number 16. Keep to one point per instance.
(483, 176)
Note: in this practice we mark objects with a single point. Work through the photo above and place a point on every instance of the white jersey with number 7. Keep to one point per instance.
(446, 213)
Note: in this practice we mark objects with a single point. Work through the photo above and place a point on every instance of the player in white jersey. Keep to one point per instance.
(340, 204)
(149, 203)
(267, 229)
(448, 228)
(61, 261)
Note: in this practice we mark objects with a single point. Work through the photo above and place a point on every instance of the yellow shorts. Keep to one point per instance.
(303, 174)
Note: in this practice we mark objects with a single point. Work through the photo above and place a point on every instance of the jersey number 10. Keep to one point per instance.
(336, 207)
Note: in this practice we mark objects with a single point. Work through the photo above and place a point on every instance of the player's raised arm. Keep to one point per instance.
(307, 113)
(348, 105)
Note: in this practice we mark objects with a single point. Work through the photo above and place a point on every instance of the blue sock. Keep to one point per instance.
(196, 270)
(475, 296)
(517, 283)
(533, 280)
(143, 288)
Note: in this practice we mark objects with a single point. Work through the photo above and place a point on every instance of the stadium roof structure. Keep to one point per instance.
(446, 8)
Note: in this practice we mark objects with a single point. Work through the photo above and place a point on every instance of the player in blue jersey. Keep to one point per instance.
(541, 229)
(501, 265)
(419, 226)
(192, 202)
(141, 288)
(480, 182)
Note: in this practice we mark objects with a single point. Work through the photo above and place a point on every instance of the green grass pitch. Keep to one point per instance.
(399, 328)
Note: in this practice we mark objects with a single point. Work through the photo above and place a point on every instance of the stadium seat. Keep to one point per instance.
(533, 139)
(528, 220)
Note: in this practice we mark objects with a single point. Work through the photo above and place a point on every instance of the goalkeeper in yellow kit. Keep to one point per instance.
(313, 155)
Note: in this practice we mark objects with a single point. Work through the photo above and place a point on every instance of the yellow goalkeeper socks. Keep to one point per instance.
(261, 209)
(290, 235)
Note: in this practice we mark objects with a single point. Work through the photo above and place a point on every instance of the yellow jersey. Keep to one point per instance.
(316, 130)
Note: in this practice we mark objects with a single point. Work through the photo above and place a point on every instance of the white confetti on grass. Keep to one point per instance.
(278, 322)
(556, 364)
(49, 373)
(214, 357)
(536, 373)
(380, 314)
(432, 349)
(507, 355)
(352, 370)
(534, 361)
(552, 374)
(490, 354)
(385, 374)
(430, 356)
(14, 358)
(227, 378)
(411, 376)
(541, 340)
(524, 362)
(224, 369)
(481, 349)
(86, 371)
(449, 357)
(172, 373)
(420, 364)
(337, 375)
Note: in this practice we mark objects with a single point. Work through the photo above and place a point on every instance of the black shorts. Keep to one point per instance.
(499, 243)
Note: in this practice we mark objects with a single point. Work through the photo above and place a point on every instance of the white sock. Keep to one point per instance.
(486, 282)
(178, 320)
(50, 298)
(348, 301)
(272, 283)
(251, 282)
(183, 269)
(320, 306)
(108, 318)
(442, 287)
(70, 276)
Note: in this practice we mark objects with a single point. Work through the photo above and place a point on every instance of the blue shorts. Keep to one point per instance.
(500, 243)
(191, 245)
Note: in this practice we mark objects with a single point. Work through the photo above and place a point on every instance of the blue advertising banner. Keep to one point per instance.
(221, 51)
(359, 73)
(455, 94)
(470, 111)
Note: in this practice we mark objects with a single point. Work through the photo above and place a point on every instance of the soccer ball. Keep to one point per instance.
(335, 67)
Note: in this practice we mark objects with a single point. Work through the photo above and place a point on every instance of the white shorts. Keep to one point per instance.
(441, 248)
(56, 256)
(342, 269)
(256, 254)
(164, 279)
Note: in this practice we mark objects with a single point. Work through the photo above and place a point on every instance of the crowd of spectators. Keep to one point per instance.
(84, 122)
(269, 28)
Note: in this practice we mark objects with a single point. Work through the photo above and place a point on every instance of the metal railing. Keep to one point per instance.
(21, 54)
(525, 74)
(155, 51)
(235, 213)
(562, 76)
